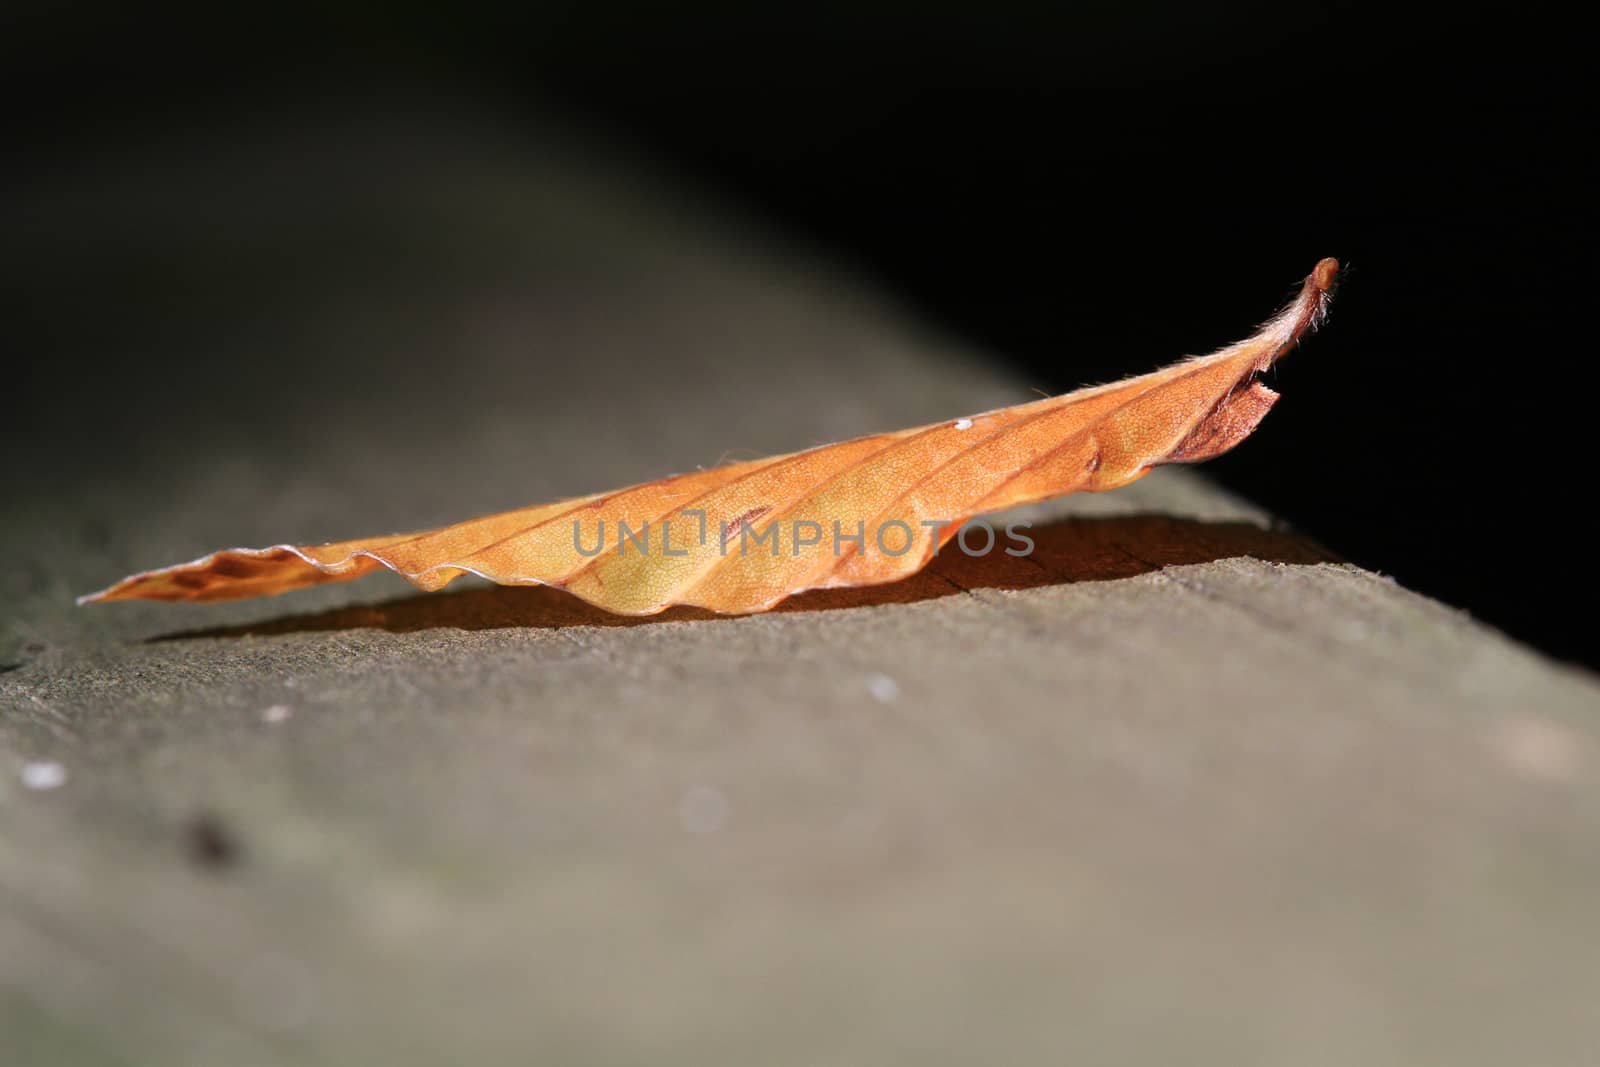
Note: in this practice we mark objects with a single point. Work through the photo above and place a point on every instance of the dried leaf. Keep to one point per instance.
(740, 538)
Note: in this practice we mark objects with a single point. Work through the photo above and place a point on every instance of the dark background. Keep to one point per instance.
(1090, 190)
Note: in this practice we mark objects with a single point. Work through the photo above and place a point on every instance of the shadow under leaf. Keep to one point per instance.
(1068, 550)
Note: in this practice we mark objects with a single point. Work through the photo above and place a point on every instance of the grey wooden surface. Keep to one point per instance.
(1179, 788)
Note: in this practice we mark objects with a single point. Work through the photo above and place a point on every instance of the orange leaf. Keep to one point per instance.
(743, 537)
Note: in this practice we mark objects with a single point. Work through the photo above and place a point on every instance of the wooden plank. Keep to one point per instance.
(1179, 785)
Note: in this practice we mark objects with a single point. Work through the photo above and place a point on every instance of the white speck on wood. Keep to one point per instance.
(884, 689)
(703, 809)
(43, 774)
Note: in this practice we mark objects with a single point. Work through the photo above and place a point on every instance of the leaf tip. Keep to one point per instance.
(119, 591)
(1324, 274)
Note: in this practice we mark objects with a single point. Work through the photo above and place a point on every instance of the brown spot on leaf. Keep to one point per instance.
(235, 566)
(1227, 425)
(731, 530)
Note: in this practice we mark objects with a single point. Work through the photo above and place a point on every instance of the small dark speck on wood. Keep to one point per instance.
(210, 843)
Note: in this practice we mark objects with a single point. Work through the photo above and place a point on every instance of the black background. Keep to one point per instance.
(1089, 189)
